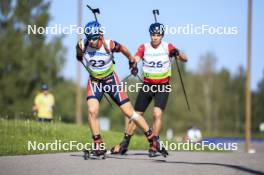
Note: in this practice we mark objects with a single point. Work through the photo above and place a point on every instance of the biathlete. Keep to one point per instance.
(157, 57)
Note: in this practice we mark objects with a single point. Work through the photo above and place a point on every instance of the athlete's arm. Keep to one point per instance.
(140, 53)
(174, 52)
(126, 52)
(80, 50)
(182, 57)
(117, 47)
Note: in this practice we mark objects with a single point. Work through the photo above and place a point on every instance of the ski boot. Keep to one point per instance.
(155, 147)
(98, 150)
(122, 148)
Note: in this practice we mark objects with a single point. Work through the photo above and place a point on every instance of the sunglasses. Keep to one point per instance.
(93, 37)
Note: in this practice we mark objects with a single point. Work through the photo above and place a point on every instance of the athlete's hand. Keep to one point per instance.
(133, 67)
(175, 53)
(182, 57)
(134, 71)
(179, 55)
(132, 64)
(80, 50)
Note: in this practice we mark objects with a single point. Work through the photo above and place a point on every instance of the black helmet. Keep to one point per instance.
(156, 28)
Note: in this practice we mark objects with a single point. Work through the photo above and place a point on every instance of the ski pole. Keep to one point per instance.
(126, 77)
(94, 11)
(185, 95)
(155, 13)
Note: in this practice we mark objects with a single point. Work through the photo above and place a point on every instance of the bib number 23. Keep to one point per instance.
(98, 63)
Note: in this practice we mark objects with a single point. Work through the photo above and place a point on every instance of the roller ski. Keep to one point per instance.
(94, 154)
(98, 150)
(156, 149)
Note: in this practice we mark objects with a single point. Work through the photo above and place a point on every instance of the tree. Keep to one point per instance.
(207, 71)
(26, 60)
(258, 103)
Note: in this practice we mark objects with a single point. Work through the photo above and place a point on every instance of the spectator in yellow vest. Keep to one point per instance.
(44, 104)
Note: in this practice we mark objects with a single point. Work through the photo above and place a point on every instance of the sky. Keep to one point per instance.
(128, 21)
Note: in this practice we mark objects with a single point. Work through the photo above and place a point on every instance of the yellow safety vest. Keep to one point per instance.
(44, 104)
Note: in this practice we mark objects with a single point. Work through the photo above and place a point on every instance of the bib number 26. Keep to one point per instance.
(156, 64)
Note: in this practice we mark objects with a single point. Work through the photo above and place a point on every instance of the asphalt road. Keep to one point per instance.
(136, 162)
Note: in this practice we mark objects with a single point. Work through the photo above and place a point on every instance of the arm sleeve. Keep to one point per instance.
(115, 46)
(140, 51)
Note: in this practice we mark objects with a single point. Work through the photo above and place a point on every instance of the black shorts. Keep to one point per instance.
(160, 94)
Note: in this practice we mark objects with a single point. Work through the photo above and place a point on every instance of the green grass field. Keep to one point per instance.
(15, 134)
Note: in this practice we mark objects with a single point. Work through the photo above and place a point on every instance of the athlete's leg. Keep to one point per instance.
(94, 96)
(122, 147)
(130, 113)
(157, 120)
(160, 102)
(93, 109)
(142, 102)
(121, 99)
(131, 126)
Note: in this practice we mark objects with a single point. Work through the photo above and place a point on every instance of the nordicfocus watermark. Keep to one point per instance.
(184, 29)
(200, 146)
(58, 145)
(204, 29)
(125, 87)
(58, 29)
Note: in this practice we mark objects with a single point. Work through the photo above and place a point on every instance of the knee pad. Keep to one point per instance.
(135, 116)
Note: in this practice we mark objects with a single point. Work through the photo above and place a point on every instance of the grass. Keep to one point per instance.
(16, 134)
(222, 134)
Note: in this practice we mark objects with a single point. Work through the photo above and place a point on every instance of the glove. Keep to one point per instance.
(80, 50)
(175, 53)
(133, 67)
(131, 64)
(134, 71)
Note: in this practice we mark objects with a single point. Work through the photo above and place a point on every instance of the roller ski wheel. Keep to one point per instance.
(98, 154)
(94, 154)
(155, 153)
(86, 154)
(163, 152)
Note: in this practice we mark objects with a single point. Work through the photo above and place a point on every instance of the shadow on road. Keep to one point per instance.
(126, 156)
(133, 156)
(241, 168)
